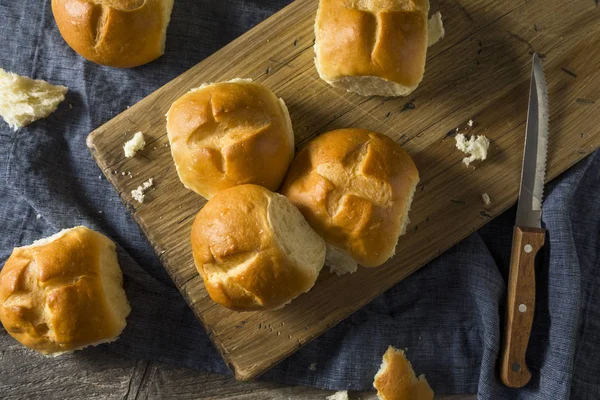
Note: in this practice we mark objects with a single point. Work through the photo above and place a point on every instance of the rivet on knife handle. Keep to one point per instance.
(520, 305)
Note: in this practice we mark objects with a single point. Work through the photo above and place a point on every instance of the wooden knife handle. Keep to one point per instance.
(520, 305)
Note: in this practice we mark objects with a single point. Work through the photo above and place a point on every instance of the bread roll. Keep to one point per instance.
(396, 379)
(355, 188)
(230, 133)
(254, 249)
(372, 47)
(116, 33)
(64, 292)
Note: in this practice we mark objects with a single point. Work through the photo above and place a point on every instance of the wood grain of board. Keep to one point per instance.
(480, 71)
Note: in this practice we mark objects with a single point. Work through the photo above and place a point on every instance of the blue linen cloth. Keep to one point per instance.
(449, 314)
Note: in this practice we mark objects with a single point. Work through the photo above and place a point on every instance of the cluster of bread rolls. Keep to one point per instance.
(345, 198)
(347, 193)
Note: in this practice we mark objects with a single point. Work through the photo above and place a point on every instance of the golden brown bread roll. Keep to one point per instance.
(372, 47)
(64, 292)
(396, 379)
(117, 33)
(230, 133)
(355, 188)
(254, 249)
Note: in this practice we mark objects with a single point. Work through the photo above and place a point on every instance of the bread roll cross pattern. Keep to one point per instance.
(116, 33)
(230, 133)
(355, 188)
(372, 47)
(254, 249)
(64, 292)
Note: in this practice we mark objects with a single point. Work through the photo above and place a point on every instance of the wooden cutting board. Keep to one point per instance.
(480, 71)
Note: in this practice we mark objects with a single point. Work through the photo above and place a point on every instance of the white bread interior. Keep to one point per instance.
(341, 395)
(339, 261)
(435, 29)
(24, 100)
(167, 7)
(295, 237)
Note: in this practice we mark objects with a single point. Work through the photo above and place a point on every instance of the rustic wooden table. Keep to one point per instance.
(98, 374)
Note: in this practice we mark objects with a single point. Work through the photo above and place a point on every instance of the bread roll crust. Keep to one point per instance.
(230, 133)
(354, 187)
(372, 47)
(239, 253)
(54, 295)
(116, 33)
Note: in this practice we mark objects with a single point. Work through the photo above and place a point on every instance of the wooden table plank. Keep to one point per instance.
(95, 373)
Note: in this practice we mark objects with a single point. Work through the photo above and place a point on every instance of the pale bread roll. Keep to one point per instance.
(396, 379)
(230, 133)
(372, 47)
(355, 188)
(116, 33)
(254, 249)
(64, 292)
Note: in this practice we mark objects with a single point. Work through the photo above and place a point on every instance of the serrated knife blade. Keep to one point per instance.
(528, 236)
(533, 173)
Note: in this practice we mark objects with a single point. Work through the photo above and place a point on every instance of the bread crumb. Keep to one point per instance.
(70, 106)
(312, 367)
(470, 123)
(486, 199)
(476, 147)
(138, 194)
(123, 173)
(134, 145)
(24, 100)
(435, 28)
(38, 216)
(341, 395)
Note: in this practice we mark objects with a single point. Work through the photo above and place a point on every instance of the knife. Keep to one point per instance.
(528, 236)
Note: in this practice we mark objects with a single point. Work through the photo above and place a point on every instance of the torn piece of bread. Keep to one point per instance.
(396, 379)
(341, 395)
(435, 27)
(372, 47)
(24, 100)
(64, 292)
(476, 147)
(135, 144)
(254, 249)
